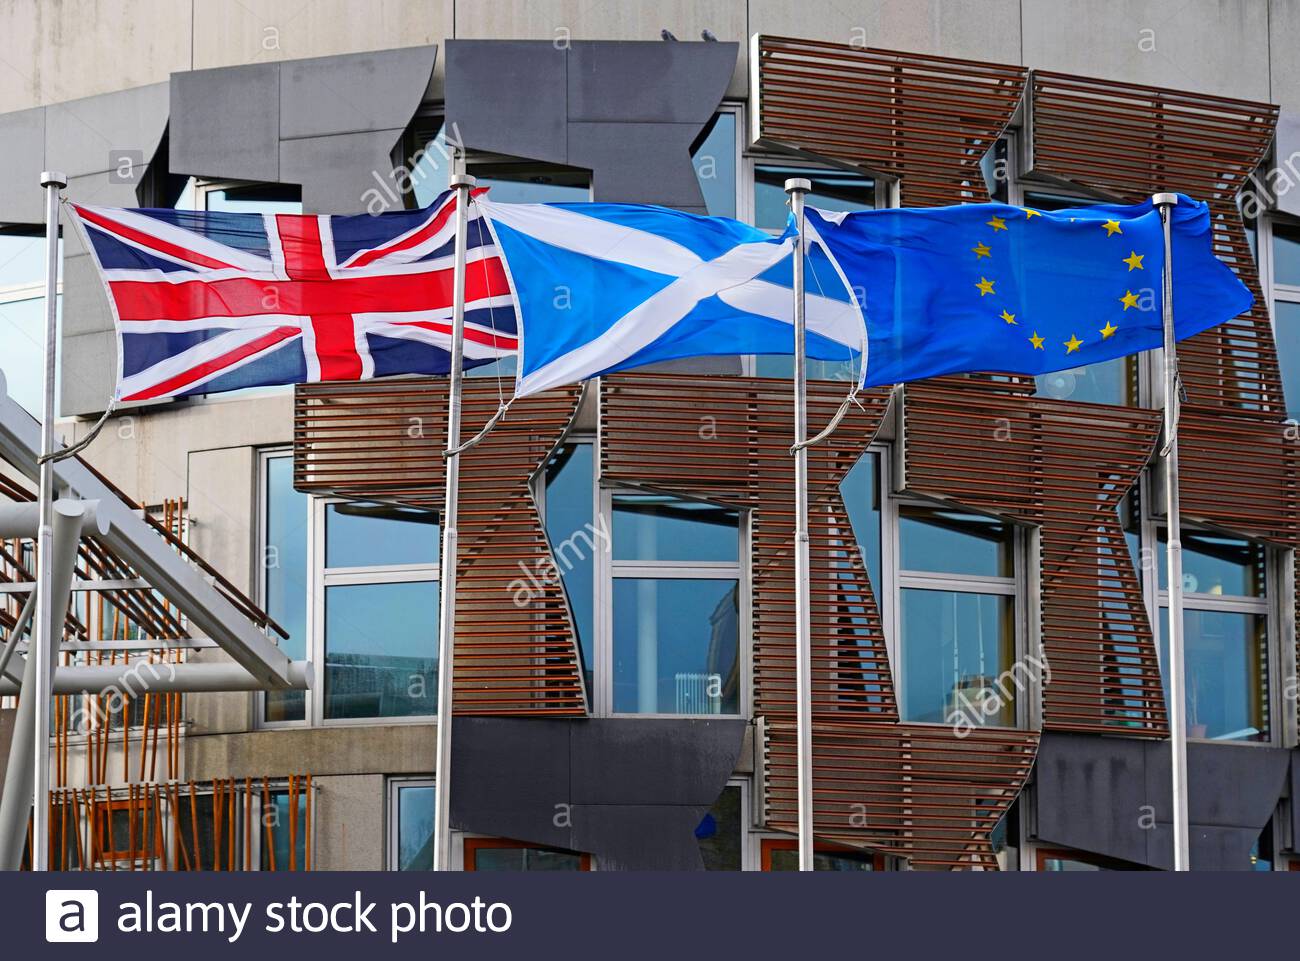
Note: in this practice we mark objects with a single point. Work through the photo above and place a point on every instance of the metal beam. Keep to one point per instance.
(207, 609)
(137, 678)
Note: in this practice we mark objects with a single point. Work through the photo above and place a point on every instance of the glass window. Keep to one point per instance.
(1225, 664)
(359, 534)
(951, 542)
(1065, 861)
(1286, 331)
(721, 833)
(284, 574)
(956, 617)
(714, 157)
(676, 645)
(412, 825)
(575, 536)
(482, 854)
(281, 828)
(955, 647)
(1286, 254)
(837, 190)
(655, 527)
(861, 492)
(516, 182)
(1216, 564)
(381, 650)
(255, 199)
(22, 317)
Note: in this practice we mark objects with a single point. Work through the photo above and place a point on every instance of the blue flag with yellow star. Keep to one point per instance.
(990, 287)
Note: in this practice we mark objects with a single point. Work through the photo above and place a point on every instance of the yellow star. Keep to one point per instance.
(1129, 299)
(1032, 213)
(1036, 341)
(981, 250)
(1009, 318)
(985, 286)
(1112, 228)
(997, 223)
(1134, 260)
(1073, 344)
(1108, 330)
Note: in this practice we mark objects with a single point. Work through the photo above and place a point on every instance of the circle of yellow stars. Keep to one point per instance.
(987, 287)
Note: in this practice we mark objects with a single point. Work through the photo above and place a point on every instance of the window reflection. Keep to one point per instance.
(574, 537)
(836, 190)
(956, 646)
(256, 199)
(361, 534)
(1286, 330)
(676, 646)
(22, 317)
(284, 586)
(1286, 254)
(381, 650)
(784, 856)
(1225, 666)
(415, 827)
(277, 836)
(861, 492)
(1216, 564)
(714, 157)
(947, 541)
(721, 833)
(657, 527)
(491, 855)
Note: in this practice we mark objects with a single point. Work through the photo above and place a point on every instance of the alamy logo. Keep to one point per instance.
(71, 916)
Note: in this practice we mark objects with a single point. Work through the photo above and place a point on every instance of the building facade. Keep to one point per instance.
(987, 551)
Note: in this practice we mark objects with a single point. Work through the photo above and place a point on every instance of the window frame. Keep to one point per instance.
(608, 570)
(1265, 262)
(392, 808)
(770, 844)
(1024, 560)
(471, 845)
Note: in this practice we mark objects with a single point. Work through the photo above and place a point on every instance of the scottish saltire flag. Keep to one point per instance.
(988, 287)
(215, 301)
(603, 287)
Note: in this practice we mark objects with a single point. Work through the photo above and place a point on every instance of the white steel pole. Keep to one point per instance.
(461, 183)
(1164, 202)
(48, 633)
(796, 187)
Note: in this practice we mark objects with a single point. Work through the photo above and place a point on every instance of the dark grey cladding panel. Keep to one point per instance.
(22, 149)
(1111, 796)
(508, 96)
(327, 123)
(630, 791)
(627, 111)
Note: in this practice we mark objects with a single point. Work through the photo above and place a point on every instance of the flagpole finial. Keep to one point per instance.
(53, 178)
(802, 184)
(1164, 200)
(462, 180)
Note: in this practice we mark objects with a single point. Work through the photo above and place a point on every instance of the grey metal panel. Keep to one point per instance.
(617, 81)
(226, 122)
(91, 135)
(630, 791)
(337, 171)
(353, 93)
(327, 123)
(509, 96)
(1286, 152)
(22, 149)
(1111, 796)
(626, 110)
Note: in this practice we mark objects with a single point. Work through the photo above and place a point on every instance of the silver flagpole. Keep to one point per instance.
(461, 183)
(47, 633)
(796, 187)
(1164, 202)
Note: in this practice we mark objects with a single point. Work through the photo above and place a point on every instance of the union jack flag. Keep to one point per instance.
(208, 301)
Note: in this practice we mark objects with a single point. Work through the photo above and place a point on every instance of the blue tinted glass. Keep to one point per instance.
(1286, 330)
(1066, 864)
(285, 578)
(415, 806)
(1286, 254)
(575, 536)
(676, 646)
(721, 833)
(1109, 382)
(787, 859)
(656, 527)
(778, 365)
(950, 542)
(1225, 664)
(275, 822)
(1214, 564)
(358, 534)
(430, 170)
(831, 190)
(22, 260)
(22, 344)
(861, 492)
(955, 646)
(381, 650)
(530, 184)
(715, 166)
(257, 199)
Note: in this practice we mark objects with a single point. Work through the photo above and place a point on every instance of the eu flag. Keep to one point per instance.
(990, 287)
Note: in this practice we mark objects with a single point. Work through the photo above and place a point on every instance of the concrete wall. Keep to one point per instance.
(1240, 48)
